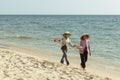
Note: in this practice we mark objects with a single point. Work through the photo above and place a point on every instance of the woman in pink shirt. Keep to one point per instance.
(85, 50)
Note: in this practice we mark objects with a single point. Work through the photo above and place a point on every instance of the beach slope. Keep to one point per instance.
(20, 66)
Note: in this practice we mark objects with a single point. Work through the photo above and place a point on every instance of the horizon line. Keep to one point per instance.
(53, 14)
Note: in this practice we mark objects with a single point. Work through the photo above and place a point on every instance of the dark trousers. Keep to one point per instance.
(84, 58)
(64, 50)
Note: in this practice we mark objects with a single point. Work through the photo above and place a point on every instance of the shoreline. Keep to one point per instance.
(54, 58)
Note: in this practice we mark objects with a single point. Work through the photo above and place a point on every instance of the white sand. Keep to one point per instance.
(21, 63)
(16, 64)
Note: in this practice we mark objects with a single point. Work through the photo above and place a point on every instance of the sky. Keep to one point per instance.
(60, 7)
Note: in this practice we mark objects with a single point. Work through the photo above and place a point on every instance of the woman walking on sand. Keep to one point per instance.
(65, 42)
(85, 50)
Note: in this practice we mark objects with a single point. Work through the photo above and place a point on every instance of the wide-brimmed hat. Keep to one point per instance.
(87, 35)
(67, 33)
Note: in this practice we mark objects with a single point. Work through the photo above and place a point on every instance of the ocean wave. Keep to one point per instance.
(17, 37)
(23, 37)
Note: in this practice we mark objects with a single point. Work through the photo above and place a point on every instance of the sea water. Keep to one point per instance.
(39, 31)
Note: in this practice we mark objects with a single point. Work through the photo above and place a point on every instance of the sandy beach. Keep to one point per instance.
(19, 64)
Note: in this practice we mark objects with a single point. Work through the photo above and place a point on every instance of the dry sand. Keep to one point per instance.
(22, 63)
(16, 65)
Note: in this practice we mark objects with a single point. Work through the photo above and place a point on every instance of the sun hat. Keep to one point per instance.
(87, 35)
(67, 33)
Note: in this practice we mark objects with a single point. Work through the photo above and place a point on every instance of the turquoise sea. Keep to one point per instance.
(39, 31)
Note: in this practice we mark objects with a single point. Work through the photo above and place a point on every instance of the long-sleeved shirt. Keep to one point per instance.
(85, 43)
(66, 41)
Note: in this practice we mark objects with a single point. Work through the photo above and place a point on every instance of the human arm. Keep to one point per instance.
(78, 46)
(70, 43)
(57, 40)
(89, 48)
